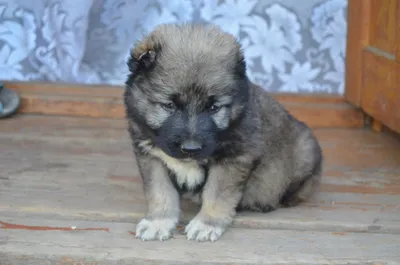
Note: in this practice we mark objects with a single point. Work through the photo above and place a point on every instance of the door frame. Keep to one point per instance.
(358, 14)
(359, 48)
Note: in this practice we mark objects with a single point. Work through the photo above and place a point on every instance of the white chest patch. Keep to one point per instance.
(186, 172)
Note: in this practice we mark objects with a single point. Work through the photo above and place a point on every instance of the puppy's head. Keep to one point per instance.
(187, 85)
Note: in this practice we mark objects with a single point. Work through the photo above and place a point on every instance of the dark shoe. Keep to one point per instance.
(9, 102)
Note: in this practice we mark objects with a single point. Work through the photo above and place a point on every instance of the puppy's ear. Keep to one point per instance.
(240, 67)
(142, 62)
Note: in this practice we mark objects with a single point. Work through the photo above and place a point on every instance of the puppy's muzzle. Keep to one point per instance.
(191, 146)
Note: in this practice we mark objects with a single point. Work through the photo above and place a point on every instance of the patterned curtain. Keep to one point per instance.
(290, 46)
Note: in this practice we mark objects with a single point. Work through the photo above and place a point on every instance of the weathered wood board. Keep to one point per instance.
(113, 243)
(62, 172)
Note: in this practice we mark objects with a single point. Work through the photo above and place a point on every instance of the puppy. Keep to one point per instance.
(199, 127)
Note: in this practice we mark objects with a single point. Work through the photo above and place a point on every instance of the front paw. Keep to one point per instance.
(199, 230)
(155, 229)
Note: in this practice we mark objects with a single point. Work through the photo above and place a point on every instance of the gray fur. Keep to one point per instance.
(256, 156)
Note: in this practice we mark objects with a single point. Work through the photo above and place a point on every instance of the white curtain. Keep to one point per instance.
(290, 46)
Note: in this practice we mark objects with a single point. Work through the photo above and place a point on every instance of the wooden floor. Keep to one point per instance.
(70, 193)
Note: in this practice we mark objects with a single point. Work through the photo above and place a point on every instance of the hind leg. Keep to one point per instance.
(287, 180)
(298, 193)
(307, 170)
(264, 188)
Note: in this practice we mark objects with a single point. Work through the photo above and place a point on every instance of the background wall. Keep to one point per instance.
(290, 46)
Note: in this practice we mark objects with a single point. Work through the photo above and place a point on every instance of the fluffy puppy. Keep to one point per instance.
(199, 127)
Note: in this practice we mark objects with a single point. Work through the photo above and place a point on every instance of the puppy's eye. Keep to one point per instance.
(214, 108)
(168, 106)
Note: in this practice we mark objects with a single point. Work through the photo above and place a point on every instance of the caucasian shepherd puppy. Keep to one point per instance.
(199, 127)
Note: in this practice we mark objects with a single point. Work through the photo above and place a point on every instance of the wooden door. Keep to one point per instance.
(373, 60)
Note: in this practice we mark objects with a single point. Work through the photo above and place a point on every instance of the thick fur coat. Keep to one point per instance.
(201, 129)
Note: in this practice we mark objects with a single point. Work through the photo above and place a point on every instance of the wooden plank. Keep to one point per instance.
(319, 115)
(383, 29)
(114, 243)
(377, 126)
(70, 193)
(358, 24)
(67, 158)
(95, 107)
(64, 89)
(101, 91)
(314, 114)
(317, 110)
(108, 190)
(381, 97)
(25, 123)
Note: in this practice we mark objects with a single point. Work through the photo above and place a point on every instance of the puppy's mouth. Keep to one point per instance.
(190, 147)
(188, 150)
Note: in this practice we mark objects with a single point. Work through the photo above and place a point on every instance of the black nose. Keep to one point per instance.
(191, 146)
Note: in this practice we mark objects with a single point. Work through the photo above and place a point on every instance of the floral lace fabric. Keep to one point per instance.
(290, 46)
